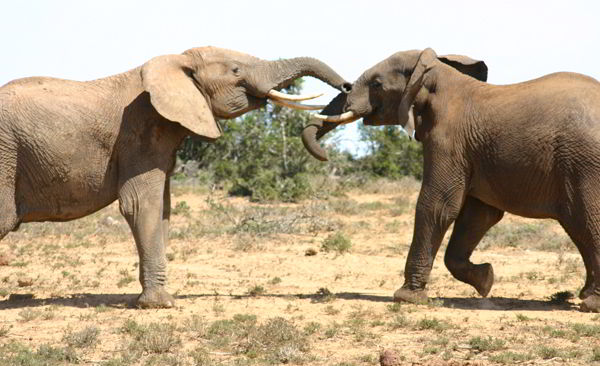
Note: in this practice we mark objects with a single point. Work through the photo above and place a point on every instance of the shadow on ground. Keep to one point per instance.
(503, 303)
(124, 301)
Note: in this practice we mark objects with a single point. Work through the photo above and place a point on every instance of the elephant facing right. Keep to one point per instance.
(531, 149)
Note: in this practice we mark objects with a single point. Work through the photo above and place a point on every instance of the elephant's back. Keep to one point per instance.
(581, 92)
(538, 138)
(63, 135)
(558, 101)
(15, 94)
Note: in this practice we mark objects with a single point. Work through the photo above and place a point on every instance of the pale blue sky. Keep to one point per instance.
(82, 40)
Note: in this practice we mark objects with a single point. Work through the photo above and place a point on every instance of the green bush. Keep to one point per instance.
(261, 155)
(337, 242)
(391, 153)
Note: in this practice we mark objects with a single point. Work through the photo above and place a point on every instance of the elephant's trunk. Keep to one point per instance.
(317, 129)
(281, 73)
(274, 75)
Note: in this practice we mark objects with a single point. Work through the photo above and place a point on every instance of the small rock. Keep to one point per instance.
(3, 260)
(25, 282)
(389, 358)
(310, 252)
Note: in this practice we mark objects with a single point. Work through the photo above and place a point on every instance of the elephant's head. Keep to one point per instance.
(385, 94)
(208, 83)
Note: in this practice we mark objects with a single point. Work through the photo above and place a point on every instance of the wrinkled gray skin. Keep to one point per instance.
(70, 148)
(531, 149)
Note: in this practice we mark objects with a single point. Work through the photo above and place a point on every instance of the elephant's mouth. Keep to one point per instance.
(373, 118)
(377, 117)
(247, 102)
(255, 102)
(235, 107)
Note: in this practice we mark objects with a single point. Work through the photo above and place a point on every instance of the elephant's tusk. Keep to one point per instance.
(274, 94)
(343, 118)
(305, 107)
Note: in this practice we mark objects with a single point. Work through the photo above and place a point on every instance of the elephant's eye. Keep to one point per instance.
(376, 84)
(236, 70)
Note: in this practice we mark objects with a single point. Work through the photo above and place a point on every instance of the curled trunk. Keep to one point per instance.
(281, 73)
(274, 75)
(316, 129)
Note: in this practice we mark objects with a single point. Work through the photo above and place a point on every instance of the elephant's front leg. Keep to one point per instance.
(472, 223)
(141, 200)
(166, 216)
(437, 208)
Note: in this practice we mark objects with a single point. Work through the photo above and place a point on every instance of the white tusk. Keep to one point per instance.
(293, 98)
(305, 107)
(343, 118)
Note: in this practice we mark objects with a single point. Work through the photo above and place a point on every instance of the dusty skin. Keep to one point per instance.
(228, 256)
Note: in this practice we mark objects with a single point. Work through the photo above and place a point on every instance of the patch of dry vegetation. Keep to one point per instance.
(299, 283)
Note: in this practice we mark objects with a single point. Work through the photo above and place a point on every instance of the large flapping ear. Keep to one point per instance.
(474, 68)
(175, 96)
(415, 83)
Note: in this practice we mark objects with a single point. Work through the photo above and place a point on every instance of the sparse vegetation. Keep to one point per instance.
(256, 290)
(338, 243)
(586, 330)
(486, 344)
(19, 354)
(547, 352)
(275, 281)
(311, 328)
(531, 235)
(181, 208)
(399, 321)
(432, 324)
(153, 338)
(395, 307)
(595, 354)
(126, 278)
(277, 340)
(4, 330)
(85, 338)
(510, 358)
(232, 256)
(324, 295)
(29, 314)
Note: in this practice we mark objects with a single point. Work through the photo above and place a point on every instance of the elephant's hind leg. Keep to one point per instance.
(584, 230)
(9, 218)
(472, 223)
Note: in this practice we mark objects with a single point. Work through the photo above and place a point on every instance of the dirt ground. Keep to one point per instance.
(308, 283)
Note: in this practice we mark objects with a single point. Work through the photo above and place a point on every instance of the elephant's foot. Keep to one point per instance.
(482, 278)
(591, 304)
(587, 290)
(408, 295)
(155, 298)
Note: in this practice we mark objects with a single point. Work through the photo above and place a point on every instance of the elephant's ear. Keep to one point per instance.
(174, 95)
(474, 68)
(415, 83)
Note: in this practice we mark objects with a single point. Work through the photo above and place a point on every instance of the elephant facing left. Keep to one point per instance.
(70, 148)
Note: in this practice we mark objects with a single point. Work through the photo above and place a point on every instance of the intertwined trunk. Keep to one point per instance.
(281, 73)
(317, 128)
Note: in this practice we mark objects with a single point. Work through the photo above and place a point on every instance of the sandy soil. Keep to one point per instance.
(84, 274)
